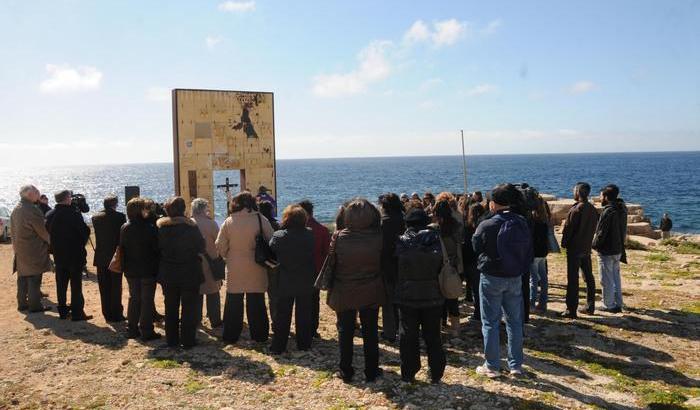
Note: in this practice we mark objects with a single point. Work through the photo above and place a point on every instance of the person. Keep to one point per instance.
(404, 198)
(293, 246)
(392, 227)
(358, 285)
(138, 241)
(43, 204)
(266, 210)
(107, 225)
(152, 212)
(30, 244)
(245, 278)
(477, 197)
(418, 296)
(665, 225)
(452, 234)
(539, 274)
(263, 195)
(609, 242)
(69, 235)
(180, 272)
(211, 286)
(474, 214)
(577, 238)
(428, 202)
(322, 241)
(504, 246)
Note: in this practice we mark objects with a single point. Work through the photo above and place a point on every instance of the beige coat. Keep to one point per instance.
(236, 243)
(30, 240)
(210, 230)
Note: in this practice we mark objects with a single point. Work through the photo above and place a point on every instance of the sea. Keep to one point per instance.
(660, 182)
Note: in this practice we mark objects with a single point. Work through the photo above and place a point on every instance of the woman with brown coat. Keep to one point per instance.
(244, 277)
(211, 286)
(358, 285)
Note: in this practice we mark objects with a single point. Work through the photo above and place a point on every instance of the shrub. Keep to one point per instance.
(659, 257)
(635, 245)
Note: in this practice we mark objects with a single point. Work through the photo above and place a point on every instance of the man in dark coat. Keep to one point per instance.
(322, 242)
(69, 234)
(393, 226)
(609, 242)
(666, 225)
(577, 238)
(107, 224)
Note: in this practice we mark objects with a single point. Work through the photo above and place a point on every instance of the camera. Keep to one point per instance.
(79, 203)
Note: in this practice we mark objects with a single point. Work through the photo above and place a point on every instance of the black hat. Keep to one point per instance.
(505, 194)
(417, 216)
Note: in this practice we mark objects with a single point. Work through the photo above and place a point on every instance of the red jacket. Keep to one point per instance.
(322, 241)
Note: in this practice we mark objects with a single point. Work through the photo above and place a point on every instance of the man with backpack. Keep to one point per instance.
(503, 244)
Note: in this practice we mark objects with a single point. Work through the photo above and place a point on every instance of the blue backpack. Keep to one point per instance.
(514, 244)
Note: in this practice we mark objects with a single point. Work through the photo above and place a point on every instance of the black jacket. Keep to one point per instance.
(666, 224)
(294, 249)
(69, 234)
(610, 233)
(180, 243)
(581, 222)
(419, 262)
(540, 239)
(107, 225)
(485, 243)
(139, 242)
(393, 226)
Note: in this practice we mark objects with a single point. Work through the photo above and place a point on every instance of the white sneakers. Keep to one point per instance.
(483, 370)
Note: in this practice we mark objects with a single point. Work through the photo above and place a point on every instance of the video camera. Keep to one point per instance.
(79, 203)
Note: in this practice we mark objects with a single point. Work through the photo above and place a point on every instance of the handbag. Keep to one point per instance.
(217, 266)
(450, 281)
(115, 265)
(263, 253)
(324, 280)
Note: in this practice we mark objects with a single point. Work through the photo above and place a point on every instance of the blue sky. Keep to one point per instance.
(87, 81)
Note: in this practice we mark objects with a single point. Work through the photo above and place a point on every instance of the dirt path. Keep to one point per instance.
(647, 357)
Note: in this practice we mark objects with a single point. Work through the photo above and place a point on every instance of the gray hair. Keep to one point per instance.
(26, 189)
(199, 205)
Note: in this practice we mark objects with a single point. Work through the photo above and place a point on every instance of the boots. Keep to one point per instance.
(454, 326)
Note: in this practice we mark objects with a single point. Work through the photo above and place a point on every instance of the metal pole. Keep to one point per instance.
(464, 163)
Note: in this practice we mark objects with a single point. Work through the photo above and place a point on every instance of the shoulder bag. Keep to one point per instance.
(324, 280)
(450, 281)
(263, 253)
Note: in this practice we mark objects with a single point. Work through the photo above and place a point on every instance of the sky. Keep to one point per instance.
(88, 82)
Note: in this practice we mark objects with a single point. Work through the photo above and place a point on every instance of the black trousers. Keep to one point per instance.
(139, 312)
(315, 310)
(413, 322)
(29, 292)
(181, 328)
(110, 284)
(213, 308)
(474, 277)
(573, 264)
(526, 296)
(258, 322)
(72, 275)
(370, 340)
(283, 321)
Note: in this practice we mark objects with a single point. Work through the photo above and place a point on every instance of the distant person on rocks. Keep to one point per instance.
(322, 240)
(358, 285)
(180, 273)
(244, 277)
(419, 297)
(30, 244)
(266, 209)
(609, 242)
(69, 235)
(43, 204)
(577, 238)
(138, 241)
(474, 214)
(293, 246)
(107, 225)
(263, 195)
(392, 227)
(539, 273)
(666, 225)
(211, 286)
(504, 246)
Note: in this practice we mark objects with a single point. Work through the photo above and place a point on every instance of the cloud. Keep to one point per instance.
(448, 32)
(431, 83)
(373, 66)
(64, 78)
(582, 87)
(237, 6)
(212, 41)
(158, 94)
(418, 32)
(491, 28)
(482, 89)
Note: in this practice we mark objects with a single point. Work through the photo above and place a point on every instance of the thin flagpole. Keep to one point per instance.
(464, 163)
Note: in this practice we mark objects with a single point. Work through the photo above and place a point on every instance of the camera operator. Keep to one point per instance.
(107, 224)
(69, 235)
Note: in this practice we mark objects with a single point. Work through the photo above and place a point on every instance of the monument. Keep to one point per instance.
(222, 130)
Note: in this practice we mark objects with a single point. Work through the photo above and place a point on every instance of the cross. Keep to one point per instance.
(227, 188)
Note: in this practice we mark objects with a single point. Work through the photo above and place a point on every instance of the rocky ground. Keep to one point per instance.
(647, 357)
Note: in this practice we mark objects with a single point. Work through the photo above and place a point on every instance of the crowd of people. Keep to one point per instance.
(412, 257)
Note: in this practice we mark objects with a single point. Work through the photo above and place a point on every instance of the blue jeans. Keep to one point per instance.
(502, 296)
(610, 280)
(539, 282)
